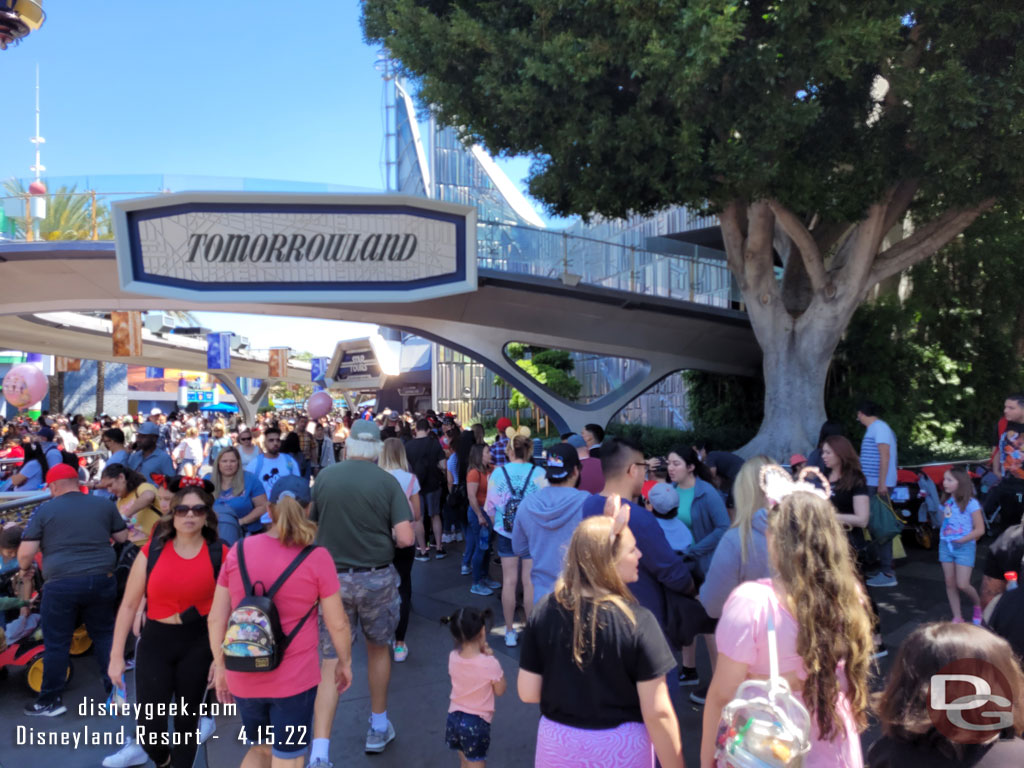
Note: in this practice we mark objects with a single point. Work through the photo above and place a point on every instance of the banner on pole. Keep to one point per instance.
(127, 333)
(218, 351)
(66, 364)
(277, 367)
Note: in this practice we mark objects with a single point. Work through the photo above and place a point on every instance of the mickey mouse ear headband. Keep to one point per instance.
(177, 483)
(511, 432)
(620, 519)
(777, 483)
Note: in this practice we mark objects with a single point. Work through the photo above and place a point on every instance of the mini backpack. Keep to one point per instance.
(255, 641)
(508, 515)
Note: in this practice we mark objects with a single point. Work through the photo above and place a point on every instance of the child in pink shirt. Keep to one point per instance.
(476, 679)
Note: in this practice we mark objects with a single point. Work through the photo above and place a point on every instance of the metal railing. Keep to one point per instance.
(699, 276)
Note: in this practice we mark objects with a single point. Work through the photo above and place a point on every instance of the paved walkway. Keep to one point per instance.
(420, 687)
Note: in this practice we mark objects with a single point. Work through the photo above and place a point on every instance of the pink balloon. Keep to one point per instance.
(319, 404)
(25, 385)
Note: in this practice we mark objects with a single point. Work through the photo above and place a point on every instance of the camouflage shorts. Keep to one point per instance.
(371, 599)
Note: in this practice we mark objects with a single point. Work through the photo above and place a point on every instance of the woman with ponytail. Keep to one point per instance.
(281, 700)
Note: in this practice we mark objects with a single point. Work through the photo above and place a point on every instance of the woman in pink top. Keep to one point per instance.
(476, 679)
(816, 601)
(276, 707)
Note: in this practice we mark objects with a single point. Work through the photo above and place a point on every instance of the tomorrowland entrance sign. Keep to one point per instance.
(214, 246)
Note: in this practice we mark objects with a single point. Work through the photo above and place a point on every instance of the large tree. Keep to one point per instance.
(843, 141)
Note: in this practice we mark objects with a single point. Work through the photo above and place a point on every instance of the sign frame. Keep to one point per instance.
(129, 214)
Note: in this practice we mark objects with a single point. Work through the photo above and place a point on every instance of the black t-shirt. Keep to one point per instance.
(1005, 553)
(1008, 620)
(74, 531)
(842, 500)
(603, 694)
(892, 753)
(424, 453)
(727, 465)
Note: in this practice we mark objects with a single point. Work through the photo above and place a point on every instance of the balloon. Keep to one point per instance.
(25, 385)
(319, 404)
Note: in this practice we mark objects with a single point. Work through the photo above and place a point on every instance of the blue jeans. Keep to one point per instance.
(95, 599)
(478, 537)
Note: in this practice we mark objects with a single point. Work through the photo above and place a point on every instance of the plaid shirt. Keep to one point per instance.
(499, 457)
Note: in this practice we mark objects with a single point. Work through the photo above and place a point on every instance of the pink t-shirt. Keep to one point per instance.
(471, 684)
(266, 559)
(742, 635)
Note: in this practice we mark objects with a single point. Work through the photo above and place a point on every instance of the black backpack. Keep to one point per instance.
(255, 641)
(508, 516)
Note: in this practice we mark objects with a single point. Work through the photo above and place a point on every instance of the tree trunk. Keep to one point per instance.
(100, 386)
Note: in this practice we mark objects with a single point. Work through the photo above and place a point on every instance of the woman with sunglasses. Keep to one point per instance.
(218, 442)
(248, 449)
(173, 661)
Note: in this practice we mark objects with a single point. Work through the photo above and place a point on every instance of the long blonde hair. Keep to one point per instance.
(812, 558)
(748, 498)
(294, 528)
(392, 455)
(237, 482)
(590, 568)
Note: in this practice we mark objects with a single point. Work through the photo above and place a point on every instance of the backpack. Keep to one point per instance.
(508, 515)
(255, 641)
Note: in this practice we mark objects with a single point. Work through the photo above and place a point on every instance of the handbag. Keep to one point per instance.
(883, 523)
(765, 725)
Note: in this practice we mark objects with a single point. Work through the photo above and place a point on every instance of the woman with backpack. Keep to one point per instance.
(275, 700)
(819, 611)
(176, 573)
(509, 484)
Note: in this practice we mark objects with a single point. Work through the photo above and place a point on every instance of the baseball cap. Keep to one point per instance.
(290, 485)
(664, 498)
(155, 412)
(364, 430)
(503, 424)
(46, 433)
(797, 458)
(148, 428)
(576, 441)
(61, 472)
(562, 459)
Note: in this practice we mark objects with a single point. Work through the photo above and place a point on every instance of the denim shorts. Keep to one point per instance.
(503, 546)
(961, 554)
(285, 724)
(470, 734)
(371, 601)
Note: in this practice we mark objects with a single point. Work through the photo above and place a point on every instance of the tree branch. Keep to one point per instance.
(925, 241)
(827, 233)
(802, 239)
(757, 253)
(898, 200)
(733, 221)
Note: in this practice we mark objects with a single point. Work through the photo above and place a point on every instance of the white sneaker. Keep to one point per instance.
(130, 754)
(207, 726)
(447, 538)
(511, 638)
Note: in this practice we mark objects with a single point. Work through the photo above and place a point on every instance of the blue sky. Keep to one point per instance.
(232, 88)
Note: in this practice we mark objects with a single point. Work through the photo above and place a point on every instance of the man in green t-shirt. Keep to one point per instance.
(357, 505)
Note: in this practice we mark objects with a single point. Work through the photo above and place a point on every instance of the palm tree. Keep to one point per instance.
(68, 214)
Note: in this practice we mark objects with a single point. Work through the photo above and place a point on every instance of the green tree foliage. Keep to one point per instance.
(551, 367)
(68, 214)
(814, 130)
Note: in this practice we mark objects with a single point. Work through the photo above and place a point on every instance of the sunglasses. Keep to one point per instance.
(199, 510)
(245, 439)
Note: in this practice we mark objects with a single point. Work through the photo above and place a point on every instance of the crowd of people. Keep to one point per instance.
(244, 557)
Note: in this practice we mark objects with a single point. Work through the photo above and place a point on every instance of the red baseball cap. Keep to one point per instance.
(61, 472)
(647, 487)
(503, 424)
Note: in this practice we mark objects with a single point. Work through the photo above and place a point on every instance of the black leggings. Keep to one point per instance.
(403, 564)
(172, 665)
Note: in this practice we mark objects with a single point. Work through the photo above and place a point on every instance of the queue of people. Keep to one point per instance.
(746, 558)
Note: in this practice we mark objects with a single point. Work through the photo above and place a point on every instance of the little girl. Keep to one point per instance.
(962, 526)
(476, 679)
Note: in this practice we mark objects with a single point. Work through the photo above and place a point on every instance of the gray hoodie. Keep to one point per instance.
(727, 571)
(544, 524)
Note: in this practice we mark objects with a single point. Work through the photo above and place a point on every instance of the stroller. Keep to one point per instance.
(916, 500)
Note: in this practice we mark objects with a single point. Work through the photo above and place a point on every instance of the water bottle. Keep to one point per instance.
(1011, 580)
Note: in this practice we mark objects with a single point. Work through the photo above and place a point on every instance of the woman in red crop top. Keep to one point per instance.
(173, 659)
